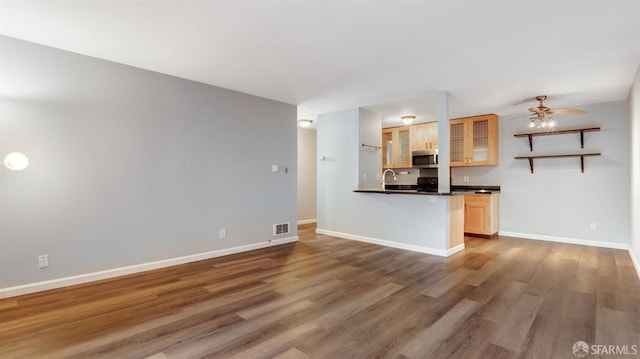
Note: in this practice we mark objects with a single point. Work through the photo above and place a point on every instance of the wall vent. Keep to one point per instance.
(280, 228)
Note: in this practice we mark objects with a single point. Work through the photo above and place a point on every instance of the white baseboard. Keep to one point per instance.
(456, 249)
(383, 242)
(307, 221)
(110, 273)
(583, 242)
(636, 264)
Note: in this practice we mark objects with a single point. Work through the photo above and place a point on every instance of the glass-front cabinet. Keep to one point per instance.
(474, 141)
(396, 147)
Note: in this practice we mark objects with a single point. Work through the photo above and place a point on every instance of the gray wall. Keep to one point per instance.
(634, 120)
(307, 162)
(130, 166)
(369, 160)
(557, 200)
(338, 165)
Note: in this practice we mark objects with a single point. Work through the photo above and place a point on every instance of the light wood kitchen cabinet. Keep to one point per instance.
(481, 214)
(424, 136)
(474, 141)
(396, 147)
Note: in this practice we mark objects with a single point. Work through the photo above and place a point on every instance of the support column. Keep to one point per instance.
(443, 142)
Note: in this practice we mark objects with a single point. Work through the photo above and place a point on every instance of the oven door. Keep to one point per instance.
(428, 184)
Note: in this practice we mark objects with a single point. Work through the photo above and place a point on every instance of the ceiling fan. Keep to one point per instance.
(542, 114)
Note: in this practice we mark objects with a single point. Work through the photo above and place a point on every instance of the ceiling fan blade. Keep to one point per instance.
(520, 116)
(569, 111)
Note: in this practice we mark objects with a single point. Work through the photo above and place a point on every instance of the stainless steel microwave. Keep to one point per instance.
(425, 158)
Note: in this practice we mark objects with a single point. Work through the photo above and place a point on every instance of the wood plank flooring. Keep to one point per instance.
(325, 297)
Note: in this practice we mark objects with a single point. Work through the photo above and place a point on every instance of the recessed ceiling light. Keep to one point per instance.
(305, 122)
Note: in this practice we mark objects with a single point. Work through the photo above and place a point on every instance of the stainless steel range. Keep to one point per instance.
(428, 184)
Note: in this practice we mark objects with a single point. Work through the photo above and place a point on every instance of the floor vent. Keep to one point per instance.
(280, 228)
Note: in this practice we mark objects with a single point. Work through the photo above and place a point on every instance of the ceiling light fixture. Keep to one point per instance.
(16, 161)
(305, 122)
(408, 119)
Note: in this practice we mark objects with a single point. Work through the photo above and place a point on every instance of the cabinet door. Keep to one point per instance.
(424, 136)
(387, 149)
(403, 149)
(457, 146)
(396, 147)
(474, 141)
(483, 144)
(481, 214)
(420, 137)
(476, 217)
(477, 213)
(433, 136)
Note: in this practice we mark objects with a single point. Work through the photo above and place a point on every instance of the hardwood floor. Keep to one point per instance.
(325, 297)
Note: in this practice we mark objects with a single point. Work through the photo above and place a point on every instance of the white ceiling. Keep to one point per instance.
(389, 56)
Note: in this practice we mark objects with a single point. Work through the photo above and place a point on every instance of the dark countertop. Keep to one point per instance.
(473, 188)
(411, 189)
(406, 191)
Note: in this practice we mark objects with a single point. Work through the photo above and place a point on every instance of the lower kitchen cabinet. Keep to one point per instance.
(481, 214)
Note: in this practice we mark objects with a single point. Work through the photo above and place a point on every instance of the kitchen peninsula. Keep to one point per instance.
(349, 174)
(436, 221)
(474, 220)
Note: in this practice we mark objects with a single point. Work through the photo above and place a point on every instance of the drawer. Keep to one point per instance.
(482, 198)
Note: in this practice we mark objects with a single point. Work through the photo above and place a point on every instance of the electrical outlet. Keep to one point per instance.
(466, 179)
(222, 233)
(593, 226)
(43, 261)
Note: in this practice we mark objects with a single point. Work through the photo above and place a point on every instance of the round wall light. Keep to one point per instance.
(16, 161)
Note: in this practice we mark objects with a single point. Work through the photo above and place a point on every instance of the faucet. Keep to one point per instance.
(384, 174)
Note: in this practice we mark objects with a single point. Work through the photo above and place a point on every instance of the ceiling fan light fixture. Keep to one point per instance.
(409, 119)
(541, 121)
(541, 114)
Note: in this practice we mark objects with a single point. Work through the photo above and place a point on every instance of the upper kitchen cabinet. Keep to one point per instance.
(396, 147)
(474, 141)
(424, 136)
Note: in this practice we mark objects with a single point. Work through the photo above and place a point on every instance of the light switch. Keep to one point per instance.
(275, 168)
